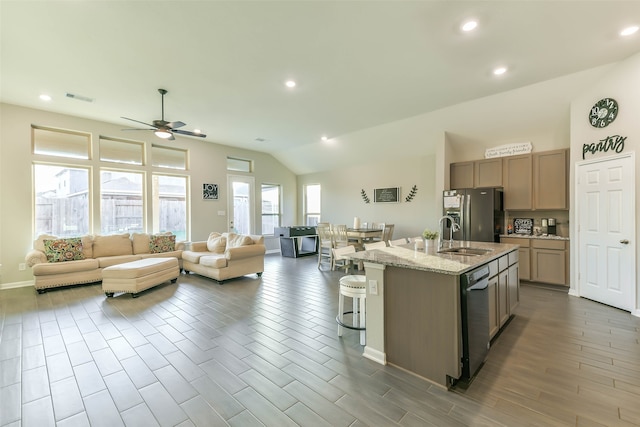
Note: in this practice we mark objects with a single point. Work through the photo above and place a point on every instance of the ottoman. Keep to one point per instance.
(136, 276)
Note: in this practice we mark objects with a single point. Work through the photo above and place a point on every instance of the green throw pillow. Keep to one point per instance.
(162, 243)
(59, 250)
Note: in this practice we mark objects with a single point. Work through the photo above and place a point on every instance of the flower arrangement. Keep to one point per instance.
(429, 235)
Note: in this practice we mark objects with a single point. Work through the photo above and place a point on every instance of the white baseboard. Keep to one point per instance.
(375, 355)
(573, 292)
(636, 312)
(14, 285)
(273, 251)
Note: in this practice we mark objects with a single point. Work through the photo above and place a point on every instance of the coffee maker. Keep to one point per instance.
(551, 226)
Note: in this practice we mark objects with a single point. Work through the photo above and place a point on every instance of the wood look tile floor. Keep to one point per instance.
(265, 352)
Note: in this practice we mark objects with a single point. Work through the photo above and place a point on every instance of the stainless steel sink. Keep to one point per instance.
(464, 251)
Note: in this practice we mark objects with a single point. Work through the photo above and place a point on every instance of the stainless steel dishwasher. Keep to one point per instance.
(474, 304)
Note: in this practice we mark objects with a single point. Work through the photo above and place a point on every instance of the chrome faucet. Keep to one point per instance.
(454, 227)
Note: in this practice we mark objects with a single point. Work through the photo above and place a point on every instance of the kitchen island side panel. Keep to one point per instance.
(422, 323)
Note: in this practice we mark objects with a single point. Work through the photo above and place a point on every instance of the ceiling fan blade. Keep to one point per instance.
(189, 133)
(138, 121)
(171, 138)
(138, 129)
(174, 125)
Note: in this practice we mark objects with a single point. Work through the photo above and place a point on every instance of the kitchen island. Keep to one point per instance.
(415, 305)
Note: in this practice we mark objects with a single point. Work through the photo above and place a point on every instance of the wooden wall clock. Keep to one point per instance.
(603, 112)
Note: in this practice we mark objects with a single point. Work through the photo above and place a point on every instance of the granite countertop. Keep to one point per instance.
(406, 256)
(533, 236)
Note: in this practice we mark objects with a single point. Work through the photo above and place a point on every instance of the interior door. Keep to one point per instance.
(606, 230)
(241, 204)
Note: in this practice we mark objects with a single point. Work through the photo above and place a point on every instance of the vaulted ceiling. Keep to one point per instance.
(356, 64)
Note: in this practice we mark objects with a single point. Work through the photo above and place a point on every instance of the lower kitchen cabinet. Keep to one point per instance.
(548, 261)
(504, 290)
(494, 324)
(503, 298)
(542, 260)
(524, 254)
(513, 286)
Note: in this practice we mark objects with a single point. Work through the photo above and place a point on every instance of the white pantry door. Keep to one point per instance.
(606, 230)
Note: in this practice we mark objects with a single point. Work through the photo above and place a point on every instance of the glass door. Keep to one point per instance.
(241, 204)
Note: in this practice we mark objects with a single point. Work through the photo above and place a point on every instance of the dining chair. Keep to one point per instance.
(374, 245)
(388, 232)
(377, 226)
(397, 242)
(339, 256)
(325, 244)
(340, 237)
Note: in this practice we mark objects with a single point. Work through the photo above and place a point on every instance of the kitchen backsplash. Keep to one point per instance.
(561, 217)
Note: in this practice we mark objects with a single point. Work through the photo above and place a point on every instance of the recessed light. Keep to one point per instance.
(629, 30)
(324, 138)
(469, 25)
(500, 71)
(45, 97)
(290, 83)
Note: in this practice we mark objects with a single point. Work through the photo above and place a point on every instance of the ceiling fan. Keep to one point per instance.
(164, 129)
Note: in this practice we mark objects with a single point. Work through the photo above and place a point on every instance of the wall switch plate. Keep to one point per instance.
(221, 213)
(373, 287)
(22, 266)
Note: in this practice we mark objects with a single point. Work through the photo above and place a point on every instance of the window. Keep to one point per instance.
(61, 143)
(239, 165)
(121, 151)
(170, 158)
(270, 208)
(170, 205)
(121, 205)
(312, 204)
(61, 200)
(138, 187)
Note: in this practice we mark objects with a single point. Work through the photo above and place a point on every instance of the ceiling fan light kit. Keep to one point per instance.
(163, 133)
(165, 130)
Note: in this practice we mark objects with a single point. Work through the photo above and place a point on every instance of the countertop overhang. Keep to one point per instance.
(405, 256)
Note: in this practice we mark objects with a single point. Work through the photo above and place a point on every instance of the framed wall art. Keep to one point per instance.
(210, 191)
(386, 195)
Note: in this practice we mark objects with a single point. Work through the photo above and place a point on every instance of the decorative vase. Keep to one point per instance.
(429, 243)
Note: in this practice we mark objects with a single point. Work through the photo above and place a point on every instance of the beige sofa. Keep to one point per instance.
(61, 262)
(225, 256)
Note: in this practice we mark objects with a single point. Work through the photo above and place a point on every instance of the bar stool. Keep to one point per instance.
(353, 286)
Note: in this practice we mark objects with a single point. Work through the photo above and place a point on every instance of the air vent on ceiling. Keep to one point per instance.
(79, 97)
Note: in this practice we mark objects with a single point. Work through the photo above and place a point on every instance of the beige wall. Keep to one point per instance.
(342, 200)
(207, 165)
(623, 84)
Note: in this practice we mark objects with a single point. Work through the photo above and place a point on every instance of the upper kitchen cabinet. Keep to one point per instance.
(530, 181)
(518, 188)
(477, 174)
(461, 175)
(487, 173)
(550, 180)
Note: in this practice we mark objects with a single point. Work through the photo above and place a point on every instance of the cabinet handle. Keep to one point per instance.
(624, 241)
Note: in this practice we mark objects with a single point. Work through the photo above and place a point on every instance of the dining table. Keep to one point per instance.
(360, 235)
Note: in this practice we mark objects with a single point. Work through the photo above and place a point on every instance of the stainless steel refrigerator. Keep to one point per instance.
(478, 211)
